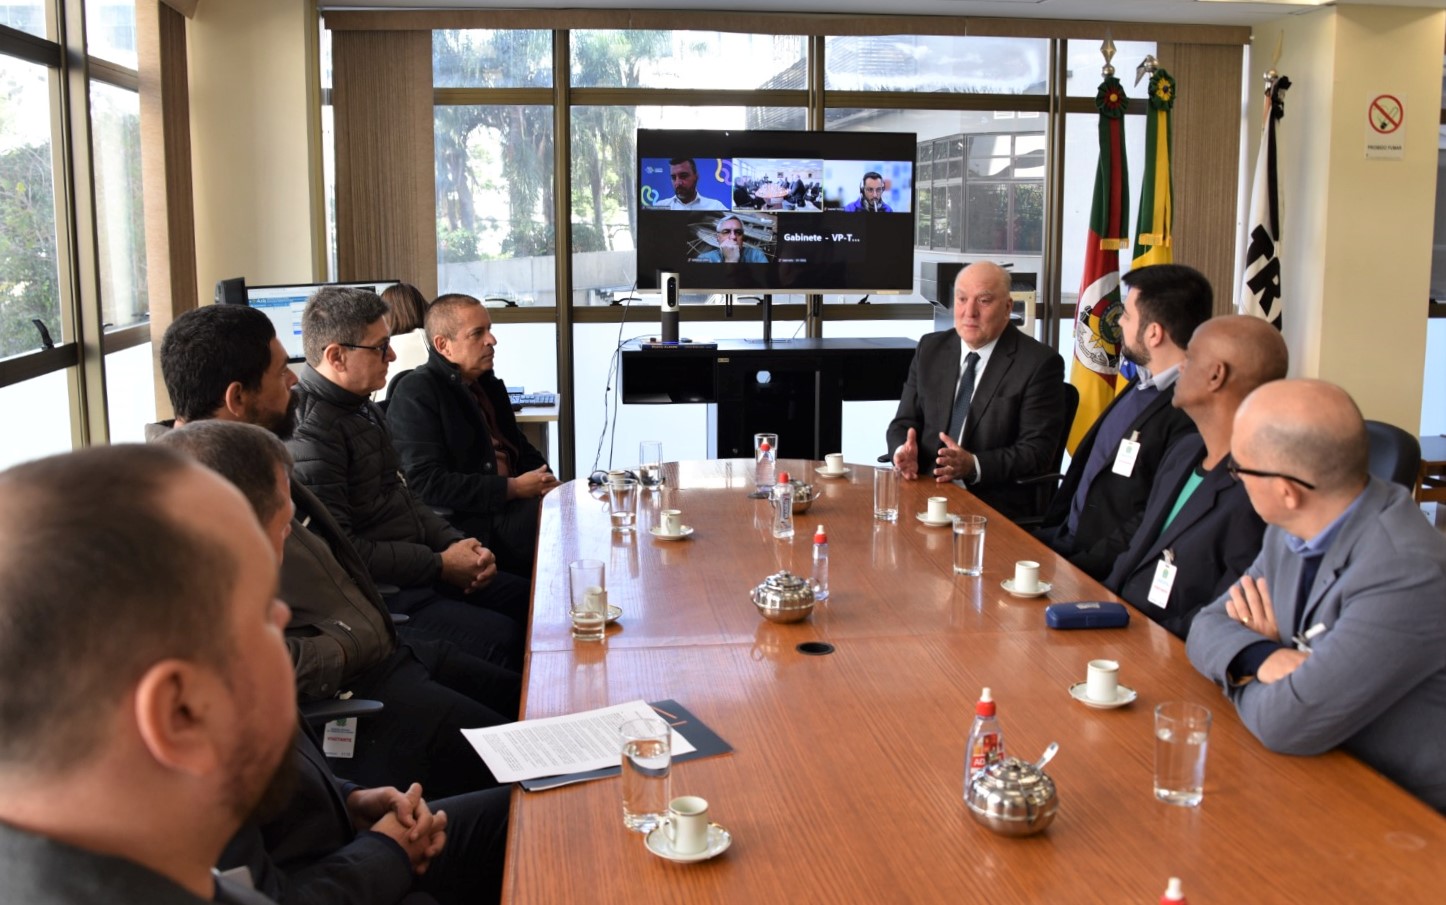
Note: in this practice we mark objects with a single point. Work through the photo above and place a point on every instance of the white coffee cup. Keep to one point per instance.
(686, 824)
(672, 521)
(938, 508)
(833, 463)
(1026, 577)
(1102, 681)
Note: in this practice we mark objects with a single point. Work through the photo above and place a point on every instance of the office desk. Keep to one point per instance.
(845, 784)
(535, 422)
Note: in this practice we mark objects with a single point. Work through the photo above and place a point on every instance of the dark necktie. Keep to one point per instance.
(961, 401)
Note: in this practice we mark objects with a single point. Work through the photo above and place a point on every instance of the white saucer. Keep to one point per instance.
(613, 613)
(657, 531)
(934, 523)
(1123, 696)
(1008, 585)
(718, 841)
(825, 473)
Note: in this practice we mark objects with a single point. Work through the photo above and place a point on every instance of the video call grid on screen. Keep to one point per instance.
(791, 202)
(284, 306)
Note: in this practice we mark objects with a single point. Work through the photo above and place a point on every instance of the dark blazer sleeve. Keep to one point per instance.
(1018, 437)
(910, 413)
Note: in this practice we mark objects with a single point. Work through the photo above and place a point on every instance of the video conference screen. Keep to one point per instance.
(776, 211)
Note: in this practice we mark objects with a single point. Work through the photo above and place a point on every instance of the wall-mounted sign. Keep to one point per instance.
(1385, 128)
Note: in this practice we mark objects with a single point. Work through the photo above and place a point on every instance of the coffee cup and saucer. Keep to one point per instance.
(833, 466)
(1025, 582)
(672, 527)
(685, 833)
(937, 515)
(1102, 689)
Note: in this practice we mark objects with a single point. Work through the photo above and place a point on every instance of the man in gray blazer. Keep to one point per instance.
(1336, 635)
(983, 403)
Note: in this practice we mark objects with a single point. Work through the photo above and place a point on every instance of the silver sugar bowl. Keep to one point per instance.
(784, 597)
(1013, 797)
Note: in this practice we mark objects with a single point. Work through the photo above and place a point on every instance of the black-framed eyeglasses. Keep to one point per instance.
(1236, 471)
(380, 348)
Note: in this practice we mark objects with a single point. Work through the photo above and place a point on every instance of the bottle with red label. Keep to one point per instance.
(1174, 894)
(986, 741)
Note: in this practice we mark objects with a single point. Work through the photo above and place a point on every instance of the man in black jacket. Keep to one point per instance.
(223, 363)
(458, 440)
(1094, 514)
(448, 582)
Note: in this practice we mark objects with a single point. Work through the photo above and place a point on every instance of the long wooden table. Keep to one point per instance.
(846, 781)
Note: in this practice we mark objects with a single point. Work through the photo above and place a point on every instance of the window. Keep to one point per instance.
(965, 65)
(120, 218)
(985, 191)
(686, 60)
(110, 31)
(29, 278)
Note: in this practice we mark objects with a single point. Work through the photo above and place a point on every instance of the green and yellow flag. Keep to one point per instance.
(1153, 223)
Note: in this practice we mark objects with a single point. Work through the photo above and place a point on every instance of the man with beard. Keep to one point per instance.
(683, 171)
(147, 693)
(731, 247)
(223, 363)
(1098, 506)
(330, 841)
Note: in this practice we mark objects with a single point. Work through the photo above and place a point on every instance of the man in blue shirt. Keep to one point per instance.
(1336, 634)
(871, 196)
(731, 247)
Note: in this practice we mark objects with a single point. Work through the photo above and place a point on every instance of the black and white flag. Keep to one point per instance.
(1260, 294)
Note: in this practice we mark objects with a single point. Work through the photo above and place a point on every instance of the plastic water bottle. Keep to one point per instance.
(1174, 894)
(782, 506)
(820, 564)
(986, 741)
(764, 474)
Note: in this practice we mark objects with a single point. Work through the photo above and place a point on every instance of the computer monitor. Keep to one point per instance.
(285, 304)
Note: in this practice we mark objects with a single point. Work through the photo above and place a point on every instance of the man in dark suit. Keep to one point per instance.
(1336, 634)
(459, 443)
(1099, 504)
(983, 403)
(1199, 532)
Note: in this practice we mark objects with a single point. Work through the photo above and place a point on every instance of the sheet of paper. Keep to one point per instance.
(561, 744)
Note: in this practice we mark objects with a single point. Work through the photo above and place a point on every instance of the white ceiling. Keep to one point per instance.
(1202, 12)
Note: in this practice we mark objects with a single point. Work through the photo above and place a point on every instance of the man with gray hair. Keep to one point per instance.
(731, 247)
(1336, 634)
(448, 583)
(146, 691)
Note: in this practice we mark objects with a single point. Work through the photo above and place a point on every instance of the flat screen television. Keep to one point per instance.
(776, 211)
(285, 304)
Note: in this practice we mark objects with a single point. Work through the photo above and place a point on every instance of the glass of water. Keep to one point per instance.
(969, 544)
(1182, 738)
(886, 493)
(647, 762)
(650, 464)
(623, 503)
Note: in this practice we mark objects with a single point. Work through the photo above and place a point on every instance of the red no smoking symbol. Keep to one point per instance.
(1385, 114)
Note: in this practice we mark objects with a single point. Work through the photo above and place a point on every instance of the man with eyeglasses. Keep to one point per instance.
(449, 584)
(1336, 634)
(1199, 532)
(731, 247)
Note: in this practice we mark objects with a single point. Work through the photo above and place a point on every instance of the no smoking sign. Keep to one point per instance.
(1385, 127)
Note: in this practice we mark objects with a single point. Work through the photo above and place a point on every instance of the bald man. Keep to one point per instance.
(1336, 634)
(983, 404)
(1199, 532)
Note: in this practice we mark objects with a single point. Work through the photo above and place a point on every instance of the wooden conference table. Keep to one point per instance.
(845, 784)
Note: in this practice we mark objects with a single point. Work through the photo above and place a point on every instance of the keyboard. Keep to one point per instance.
(520, 400)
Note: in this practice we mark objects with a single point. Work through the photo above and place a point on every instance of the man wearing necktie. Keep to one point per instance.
(983, 403)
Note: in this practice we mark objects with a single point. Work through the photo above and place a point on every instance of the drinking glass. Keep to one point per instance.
(886, 493)
(1182, 738)
(623, 502)
(583, 574)
(647, 761)
(650, 464)
(969, 544)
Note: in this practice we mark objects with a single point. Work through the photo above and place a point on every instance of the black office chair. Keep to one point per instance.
(1395, 454)
(1046, 485)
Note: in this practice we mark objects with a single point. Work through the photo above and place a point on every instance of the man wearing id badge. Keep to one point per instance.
(1103, 495)
(1199, 531)
(1336, 634)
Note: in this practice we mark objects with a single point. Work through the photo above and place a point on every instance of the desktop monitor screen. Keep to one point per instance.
(285, 304)
(776, 211)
